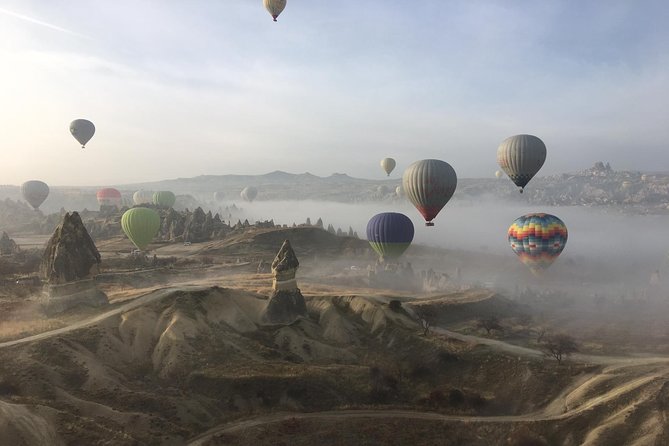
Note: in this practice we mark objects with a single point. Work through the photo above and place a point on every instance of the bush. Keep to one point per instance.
(395, 305)
(436, 398)
(456, 397)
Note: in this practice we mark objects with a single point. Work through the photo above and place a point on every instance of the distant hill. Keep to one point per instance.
(596, 186)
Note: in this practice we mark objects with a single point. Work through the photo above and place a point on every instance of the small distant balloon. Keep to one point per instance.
(388, 164)
(109, 197)
(82, 130)
(142, 197)
(249, 193)
(498, 174)
(35, 192)
(164, 199)
(274, 7)
(521, 157)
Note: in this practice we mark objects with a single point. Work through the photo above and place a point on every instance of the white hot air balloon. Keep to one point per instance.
(429, 185)
(274, 7)
(388, 164)
(249, 193)
(82, 130)
(142, 197)
(521, 157)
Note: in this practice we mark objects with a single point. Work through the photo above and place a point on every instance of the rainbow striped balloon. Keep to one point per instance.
(538, 239)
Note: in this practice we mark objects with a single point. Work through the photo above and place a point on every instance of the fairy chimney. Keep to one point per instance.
(286, 304)
(69, 264)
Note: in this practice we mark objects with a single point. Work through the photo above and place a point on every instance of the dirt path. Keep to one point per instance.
(138, 302)
(548, 414)
(571, 402)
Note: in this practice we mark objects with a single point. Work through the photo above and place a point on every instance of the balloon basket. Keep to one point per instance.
(429, 223)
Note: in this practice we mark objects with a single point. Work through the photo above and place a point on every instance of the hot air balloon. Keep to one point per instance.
(142, 197)
(35, 192)
(164, 199)
(109, 197)
(429, 184)
(219, 196)
(521, 157)
(388, 164)
(140, 225)
(390, 234)
(538, 239)
(274, 7)
(82, 130)
(498, 174)
(249, 193)
(398, 191)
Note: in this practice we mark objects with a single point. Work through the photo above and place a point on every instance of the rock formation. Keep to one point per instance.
(200, 227)
(7, 245)
(286, 304)
(68, 266)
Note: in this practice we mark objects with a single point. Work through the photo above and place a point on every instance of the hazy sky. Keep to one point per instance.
(183, 88)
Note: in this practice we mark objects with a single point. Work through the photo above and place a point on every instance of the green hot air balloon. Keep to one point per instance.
(164, 199)
(140, 225)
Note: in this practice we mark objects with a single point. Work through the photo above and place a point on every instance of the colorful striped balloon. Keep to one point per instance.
(538, 239)
(390, 234)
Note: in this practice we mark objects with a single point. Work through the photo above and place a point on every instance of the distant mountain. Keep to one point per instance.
(278, 185)
(597, 186)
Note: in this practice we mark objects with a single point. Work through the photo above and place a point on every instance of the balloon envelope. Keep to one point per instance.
(390, 234)
(109, 197)
(142, 197)
(429, 185)
(164, 199)
(521, 157)
(249, 193)
(538, 239)
(388, 164)
(35, 192)
(140, 225)
(82, 130)
(274, 7)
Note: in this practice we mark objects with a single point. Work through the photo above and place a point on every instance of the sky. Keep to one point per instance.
(207, 87)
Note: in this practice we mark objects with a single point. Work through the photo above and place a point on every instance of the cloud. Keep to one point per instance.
(35, 21)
